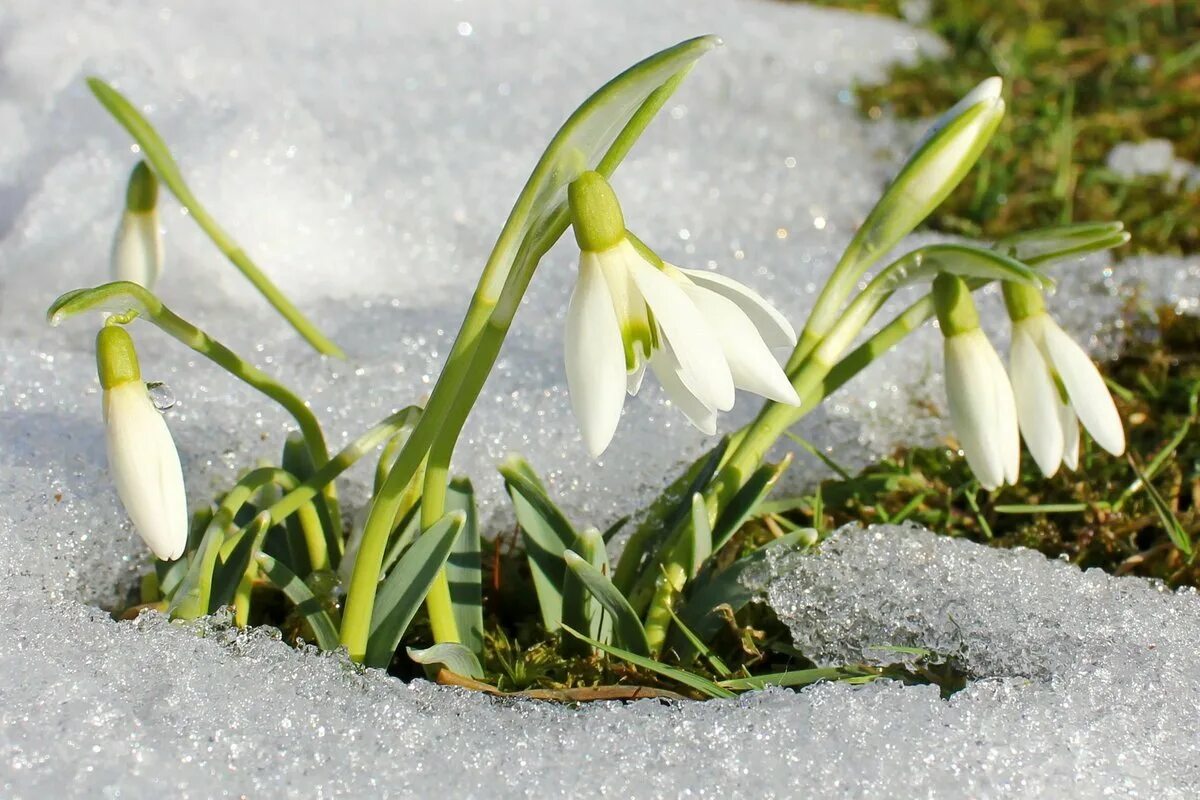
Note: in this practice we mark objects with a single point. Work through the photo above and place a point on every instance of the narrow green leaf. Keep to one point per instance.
(464, 568)
(455, 657)
(700, 647)
(745, 504)
(697, 682)
(799, 677)
(297, 459)
(404, 589)
(627, 628)
(580, 609)
(1166, 515)
(307, 605)
(546, 533)
(723, 588)
(1047, 508)
(637, 568)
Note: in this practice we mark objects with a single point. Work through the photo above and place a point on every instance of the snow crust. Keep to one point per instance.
(367, 156)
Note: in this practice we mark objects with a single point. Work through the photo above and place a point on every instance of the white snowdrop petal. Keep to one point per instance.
(1070, 430)
(972, 401)
(1036, 402)
(702, 365)
(751, 363)
(1007, 439)
(772, 326)
(1085, 387)
(595, 358)
(145, 468)
(666, 369)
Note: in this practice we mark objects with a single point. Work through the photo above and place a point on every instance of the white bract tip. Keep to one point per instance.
(137, 253)
(1057, 388)
(982, 408)
(145, 467)
(701, 334)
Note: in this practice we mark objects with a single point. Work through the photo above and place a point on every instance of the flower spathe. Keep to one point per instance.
(701, 334)
(1057, 387)
(982, 408)
(142, 458)
(137, 251)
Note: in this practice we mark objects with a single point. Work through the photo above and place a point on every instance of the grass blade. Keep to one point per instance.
(747, 501)
(464, 568)
(404, 589)
(627, 628)
(306, 603)
(689, 679)
(799, 677)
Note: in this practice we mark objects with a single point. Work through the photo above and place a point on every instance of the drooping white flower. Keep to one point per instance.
(137, 251)
(701, 334)
(1057, 387)
(142, 458)
(982, 408)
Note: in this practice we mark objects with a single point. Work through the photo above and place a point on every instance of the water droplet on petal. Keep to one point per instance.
(161, 395)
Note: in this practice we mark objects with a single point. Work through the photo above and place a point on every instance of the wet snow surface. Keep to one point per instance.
(367, 159)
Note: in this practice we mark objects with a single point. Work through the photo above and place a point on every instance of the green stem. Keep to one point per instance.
(156, 153)
(222, 356)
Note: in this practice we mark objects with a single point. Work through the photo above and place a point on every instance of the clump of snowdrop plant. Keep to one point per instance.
(663, 607)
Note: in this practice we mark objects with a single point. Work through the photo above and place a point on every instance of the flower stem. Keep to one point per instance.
(222, 356)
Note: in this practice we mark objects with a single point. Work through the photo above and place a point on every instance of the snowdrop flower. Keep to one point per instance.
(700, 333)
(1057, 387)
(142, 457)
(982, 408)
(137, 252)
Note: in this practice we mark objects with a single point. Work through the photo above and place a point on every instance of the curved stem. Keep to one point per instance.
(156, 153)
(222, 356)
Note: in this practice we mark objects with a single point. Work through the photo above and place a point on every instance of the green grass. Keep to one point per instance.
(1080, 77)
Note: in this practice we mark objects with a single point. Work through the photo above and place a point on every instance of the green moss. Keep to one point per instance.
(1081, 76)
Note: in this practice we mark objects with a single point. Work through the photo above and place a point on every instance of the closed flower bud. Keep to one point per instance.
(142, 458)
(137, 253)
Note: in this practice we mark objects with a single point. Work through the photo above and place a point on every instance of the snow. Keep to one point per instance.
(366, 156)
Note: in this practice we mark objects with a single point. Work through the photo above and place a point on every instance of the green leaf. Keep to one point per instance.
(155, 152)
(745, 503)
(404, 589)
(297, 459)
(1166, 515)
(627, 628)
(700, 647)
(798, 677)
(453, 656)
(464, 568)
(723, 588)
(637, 568)
(700, 684)
(580, 609)
(307, 605)
(546, 533)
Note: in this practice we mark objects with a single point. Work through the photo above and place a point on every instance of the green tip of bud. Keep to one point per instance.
(1022, 301)
(595, 213)
(141, 195)
(116, 360)
(955, 309)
